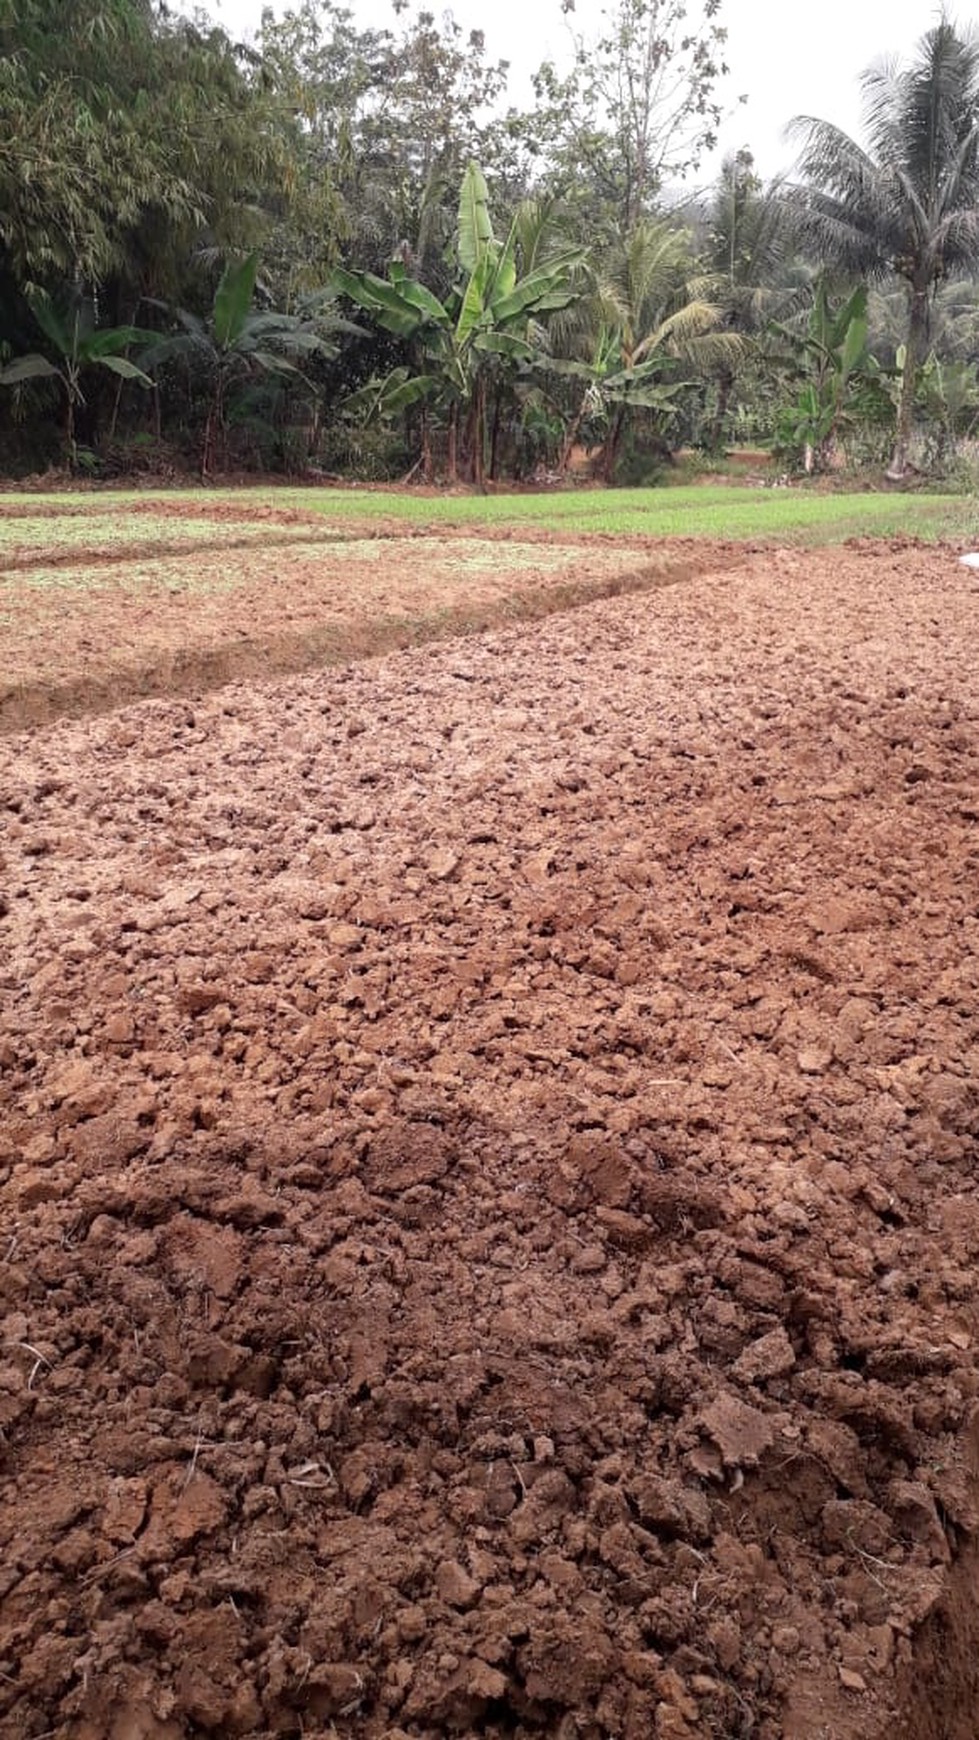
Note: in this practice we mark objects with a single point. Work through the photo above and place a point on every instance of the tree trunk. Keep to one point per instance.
(451, 458)
(207, 448)
(913, 354)
(612, 445)
(495, 438)
(213, 431)
(115, 410)
(478, 435)
(725, 381)
(571, 434)
(313, 433)
(427, 469)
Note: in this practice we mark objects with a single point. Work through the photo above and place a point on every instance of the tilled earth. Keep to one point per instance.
(100, 607)
(488, 1166)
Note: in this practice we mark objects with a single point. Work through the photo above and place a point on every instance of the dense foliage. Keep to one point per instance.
(338, 251)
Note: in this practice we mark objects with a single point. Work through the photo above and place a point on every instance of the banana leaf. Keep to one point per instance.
(28, 368)
(475, 227)
(120, 365)
(232, 301)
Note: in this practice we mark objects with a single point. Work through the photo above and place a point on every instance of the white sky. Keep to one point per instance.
(787, 58)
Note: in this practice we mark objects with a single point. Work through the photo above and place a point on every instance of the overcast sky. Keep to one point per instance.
(786, 59)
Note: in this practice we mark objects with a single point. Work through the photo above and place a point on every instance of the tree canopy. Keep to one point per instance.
(429, 278)
(906, 203)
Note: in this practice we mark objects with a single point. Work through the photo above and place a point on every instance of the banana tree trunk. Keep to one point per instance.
(214, 430)
(914, 351)
(207, 445)
(452, 452)
(70, 448)
(495, 437)
(478, 435)
(313, 432)
(426, 443)
(612, 440)
(114, 420)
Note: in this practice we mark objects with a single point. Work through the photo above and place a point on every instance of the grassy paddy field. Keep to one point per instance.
(713, 511)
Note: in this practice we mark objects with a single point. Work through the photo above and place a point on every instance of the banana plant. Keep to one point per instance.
(79, 347)
(841, 378)
(384, 398)
(488, 321)
(948, 394)
(612, 390)
(235, 342)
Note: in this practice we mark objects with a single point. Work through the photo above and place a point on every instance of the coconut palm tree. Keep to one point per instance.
(648, 318)
(908, 201)
(749, 248)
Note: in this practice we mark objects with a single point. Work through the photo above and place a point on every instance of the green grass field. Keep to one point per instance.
(794, 515)
(693, 511)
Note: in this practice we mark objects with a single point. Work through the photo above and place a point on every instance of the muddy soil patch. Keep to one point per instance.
(489, 1193)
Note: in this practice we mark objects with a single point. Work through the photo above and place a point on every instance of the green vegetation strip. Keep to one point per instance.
(794, 514)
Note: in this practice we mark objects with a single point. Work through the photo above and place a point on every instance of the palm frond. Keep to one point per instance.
(907, 200)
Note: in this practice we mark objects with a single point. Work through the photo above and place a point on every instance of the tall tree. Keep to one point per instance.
(640, 105)
(125, 132)
(387, 121)
(748, 249)
(908, 201)
(74, 172)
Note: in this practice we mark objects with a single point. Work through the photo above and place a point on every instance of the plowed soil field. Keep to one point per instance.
(489, 1181)
(100, 604)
